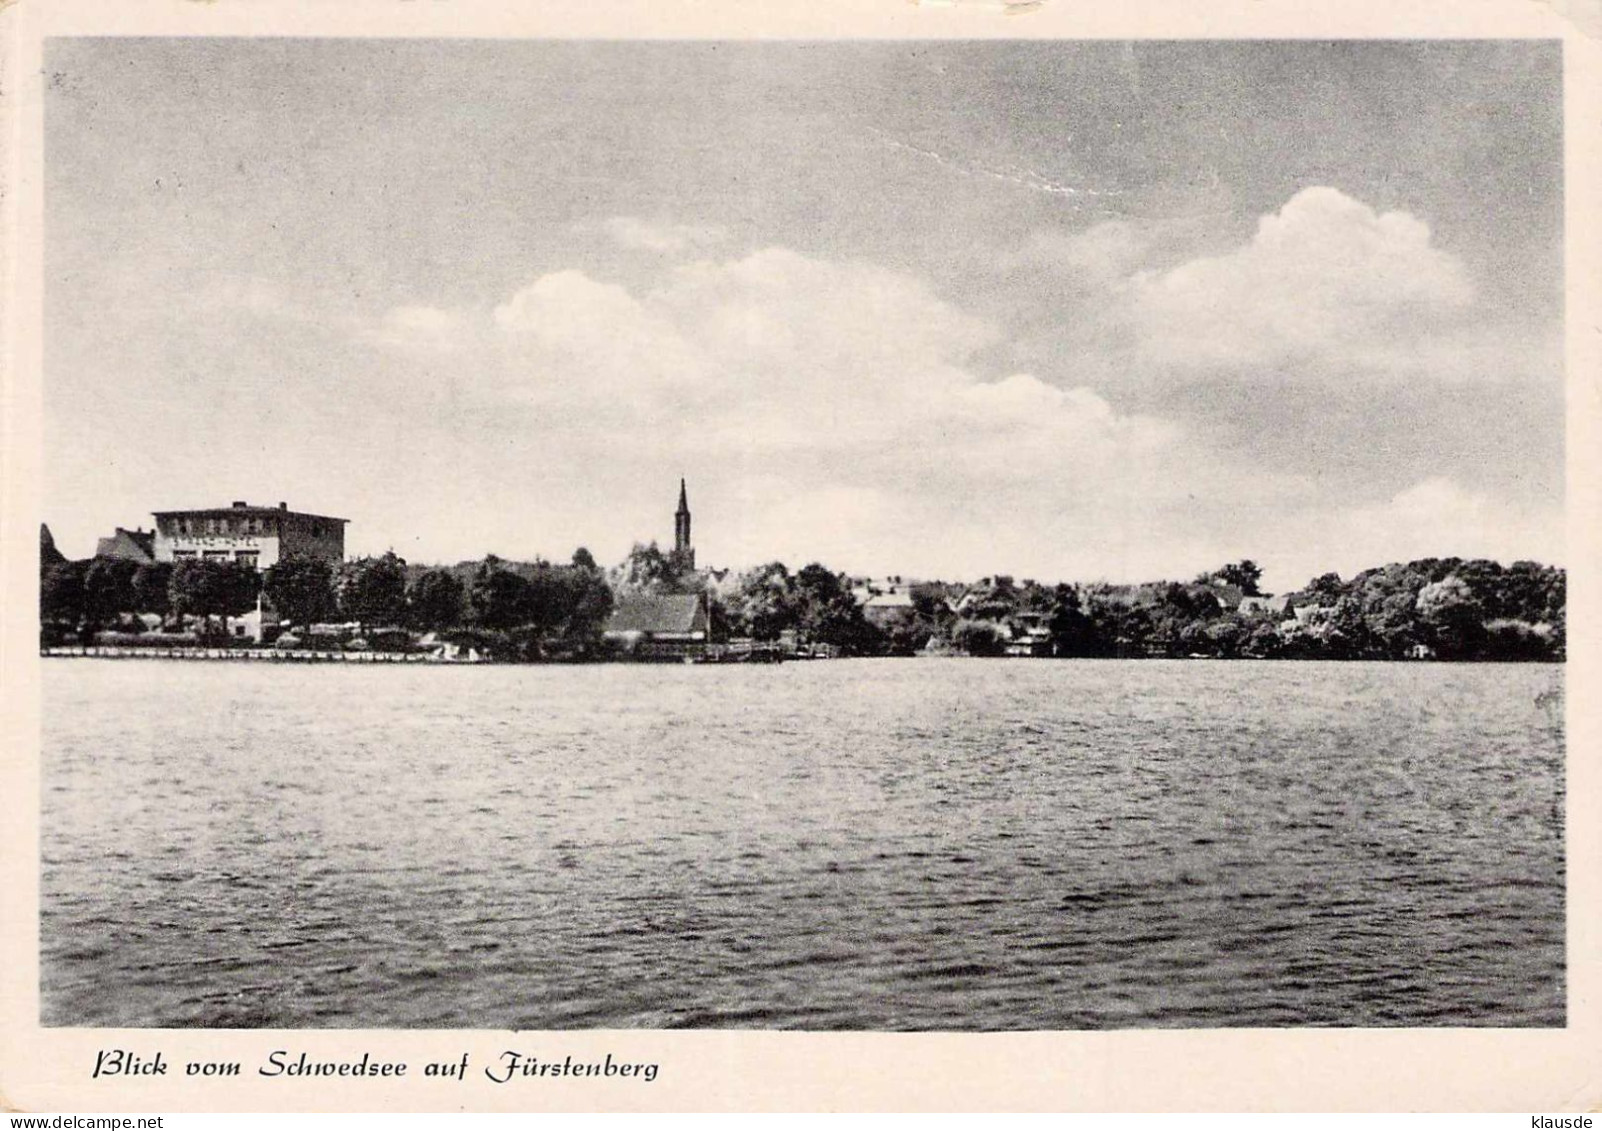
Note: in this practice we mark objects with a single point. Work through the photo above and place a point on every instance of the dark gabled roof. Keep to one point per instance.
(129, 546)
(657, 613)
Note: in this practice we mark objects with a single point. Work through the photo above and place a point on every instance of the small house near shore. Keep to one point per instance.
(1282, 606)
(659, 626)
(1031, 635)
(884, 610)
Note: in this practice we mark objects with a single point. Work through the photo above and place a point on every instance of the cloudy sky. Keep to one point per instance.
(1074, 311)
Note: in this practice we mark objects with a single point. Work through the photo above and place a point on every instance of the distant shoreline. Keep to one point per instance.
(335, 656)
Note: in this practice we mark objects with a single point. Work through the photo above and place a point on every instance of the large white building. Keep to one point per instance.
(259, 537)
(256, 536)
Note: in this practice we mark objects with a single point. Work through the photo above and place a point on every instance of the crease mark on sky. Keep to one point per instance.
(1013, 174)
(1007, 7)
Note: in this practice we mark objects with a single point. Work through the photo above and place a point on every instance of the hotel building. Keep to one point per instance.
(256, 536)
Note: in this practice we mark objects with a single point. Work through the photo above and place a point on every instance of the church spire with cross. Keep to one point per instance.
(683, 551)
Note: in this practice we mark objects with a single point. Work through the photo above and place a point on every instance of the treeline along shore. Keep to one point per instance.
(491, 609)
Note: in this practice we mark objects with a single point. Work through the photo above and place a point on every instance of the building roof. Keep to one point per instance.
(889, 601)
(246, 510)
(1228, 596)
(129, 546)
(658, 613)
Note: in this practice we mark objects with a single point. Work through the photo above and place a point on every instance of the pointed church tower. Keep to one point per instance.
(683, 551)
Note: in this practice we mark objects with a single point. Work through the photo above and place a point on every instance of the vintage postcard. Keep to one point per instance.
(800, 556)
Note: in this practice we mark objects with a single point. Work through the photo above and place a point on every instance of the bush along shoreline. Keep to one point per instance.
(1449, 609)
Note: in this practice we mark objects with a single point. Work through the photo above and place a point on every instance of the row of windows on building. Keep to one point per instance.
(243, 557)
(201, 526)
(198, 527)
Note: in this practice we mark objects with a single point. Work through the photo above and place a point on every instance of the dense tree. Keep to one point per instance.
(538, 609)
(151, 583)
(1447, 607)
(647, 569)
(1177, 608)
(979, 637)
(436, 600)
(1073, 633)
(567, 603)
(498, 599)
(209, 589)
(546, 599)
(1453, 615)
(61, 593)
(930, 605)
(589, 603)
(1123, 627)
(1325, 589)
(372, 591)
(108, 590)
(906, 636)
(191, 588)
(1507, 639)
(1391, 622)
(829, 614)
(1244, 575)
(764, 603)
(301, 590)
(993, 599)
(1224, 637)
(1451, 608)
(1262, 642)
(1034, 597)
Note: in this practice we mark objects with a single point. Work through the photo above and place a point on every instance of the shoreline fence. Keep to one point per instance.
(281, 655)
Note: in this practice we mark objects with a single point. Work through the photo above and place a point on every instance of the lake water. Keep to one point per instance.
(873, 844)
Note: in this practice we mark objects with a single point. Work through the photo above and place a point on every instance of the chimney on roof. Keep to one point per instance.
(240, 503)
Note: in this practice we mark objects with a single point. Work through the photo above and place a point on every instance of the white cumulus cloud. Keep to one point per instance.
(1324, 280)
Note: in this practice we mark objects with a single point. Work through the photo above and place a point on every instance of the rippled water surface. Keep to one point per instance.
(878, 844)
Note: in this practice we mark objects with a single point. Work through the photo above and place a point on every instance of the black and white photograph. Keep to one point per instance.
(878, 535)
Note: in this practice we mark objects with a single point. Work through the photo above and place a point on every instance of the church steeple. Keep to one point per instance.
(683, 551)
